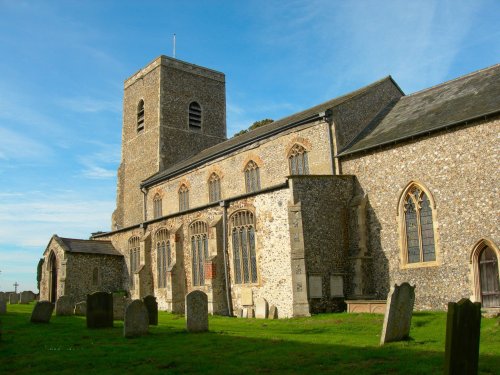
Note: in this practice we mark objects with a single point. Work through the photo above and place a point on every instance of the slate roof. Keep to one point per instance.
(463, 99)
(265, 131)
(89, 246)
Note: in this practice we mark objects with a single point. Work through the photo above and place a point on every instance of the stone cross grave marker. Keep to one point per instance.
(197, 311)
(463, 325)
(42, 312)
(397, 319)
(64, 306)
(119, 304)
(14, 298)
(261, 308)
(99, 310)
(136, 319)
(152, 307)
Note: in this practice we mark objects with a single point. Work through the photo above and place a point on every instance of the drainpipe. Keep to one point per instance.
(224, 251)
(144, 204)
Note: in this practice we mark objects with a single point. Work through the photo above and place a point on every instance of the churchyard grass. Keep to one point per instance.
(329, 343)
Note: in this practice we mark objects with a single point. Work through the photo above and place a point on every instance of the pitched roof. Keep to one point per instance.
(299, 118)
(463, 99)
(88, 246)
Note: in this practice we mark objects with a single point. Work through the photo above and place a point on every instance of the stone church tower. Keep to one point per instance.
(171, 110)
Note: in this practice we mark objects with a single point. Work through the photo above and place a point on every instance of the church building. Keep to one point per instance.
(328, 206)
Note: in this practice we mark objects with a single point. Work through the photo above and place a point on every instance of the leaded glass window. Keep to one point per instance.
(164, 257)
(214, 188)
(418, 227)
(134, 256)
(199, 251)
(183, 198)
(243, 241)
(298, 162)
(252, 177)
(157, 206)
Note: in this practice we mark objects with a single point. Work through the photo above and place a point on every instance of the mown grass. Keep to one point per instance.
(329, 343)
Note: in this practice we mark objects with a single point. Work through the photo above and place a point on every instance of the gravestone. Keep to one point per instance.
(152, 307)
(3, 306)
(197, 311)
(261, 308)
(119, 304)
(64, 306)
(136, 319)
(27, 296)
(42, 312)
(81, 308)
(273, 312)
(14, 298)
(238, 313)
(3, 296)
(99, 310)
(397, 319)
(463, 325)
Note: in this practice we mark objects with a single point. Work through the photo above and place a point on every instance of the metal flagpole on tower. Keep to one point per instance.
(174, 47)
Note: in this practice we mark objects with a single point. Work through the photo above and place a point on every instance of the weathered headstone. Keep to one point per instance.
(42, 312)
(238, 313)
(64, 306)
(3, 296)
(99, 310)
(3, 306)
(27, 296)
(119, 304)
(463, 325)
(14, 298)
(136, 319)
(197, 311)
(273, 312)
(397, 319)
(261, 308)
(81, 308)
(152, 307)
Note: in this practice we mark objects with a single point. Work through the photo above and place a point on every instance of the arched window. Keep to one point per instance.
(198, 232)
(485, 268)
(140, 115)
(243, 241)
(417, 226)
(134, 253)
(297, 160)
(194, 116)
(252, 177)
(95, 276)
(164, 256)
(157, 209)
(183, 198)
(214, 188)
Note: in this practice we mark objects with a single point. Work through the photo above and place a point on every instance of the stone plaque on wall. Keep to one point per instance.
(246, 297)
(315, 286)
(336, 286)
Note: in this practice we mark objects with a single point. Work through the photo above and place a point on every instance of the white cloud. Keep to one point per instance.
(15, 146)
(90, 105)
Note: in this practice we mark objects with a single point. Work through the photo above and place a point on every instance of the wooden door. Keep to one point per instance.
(488, 274)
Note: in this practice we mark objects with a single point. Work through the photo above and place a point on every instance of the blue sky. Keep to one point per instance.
(63, 64)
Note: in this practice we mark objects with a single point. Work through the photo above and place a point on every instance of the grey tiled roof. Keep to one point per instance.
(466, 98)
(89, 246)
(262, 132)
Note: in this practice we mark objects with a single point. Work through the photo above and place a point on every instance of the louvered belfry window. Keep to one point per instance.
(298, 160)
(140, 116)
(252, 177)
(418, 227)
(183, 198)
(134, 253)
(243, 242)
(194, 116)
(214, 188)
(164, 256)
(199, 251)
(157, 206)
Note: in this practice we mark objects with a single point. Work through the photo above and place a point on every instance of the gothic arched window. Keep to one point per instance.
(297, 159)
(140, 115)
(194, 116)
(183, 198)
(417, 226)
(164, 256)
(198, 232)
(243, 242)
(134, 256)
(157, 206)
(252, 177)
(214, 194)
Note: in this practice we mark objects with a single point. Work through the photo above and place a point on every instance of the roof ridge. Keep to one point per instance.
(81, 239)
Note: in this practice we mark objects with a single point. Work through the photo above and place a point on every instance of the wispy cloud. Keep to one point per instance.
(101, 164)
(90, 105)
(15, 146)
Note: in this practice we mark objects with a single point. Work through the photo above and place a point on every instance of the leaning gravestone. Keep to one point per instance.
(136, 319)
(397, 319)
(197, 311)
(261, 308)
(273, 312)
(463, 325)
(152, 307)
(3, 306)
(119, 304)
(42, 312)
(14, 298)
(99, 310)
(64, 306)
(81, 308)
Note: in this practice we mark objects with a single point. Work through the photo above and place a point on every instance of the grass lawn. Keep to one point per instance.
(329, 343)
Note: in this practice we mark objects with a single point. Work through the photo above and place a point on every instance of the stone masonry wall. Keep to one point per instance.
(460, 169)
(61, 270)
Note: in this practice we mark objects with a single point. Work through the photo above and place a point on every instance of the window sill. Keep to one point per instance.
(434, 263)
